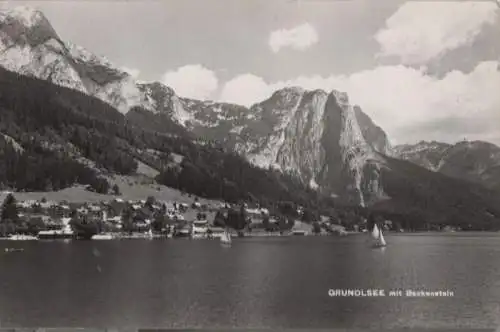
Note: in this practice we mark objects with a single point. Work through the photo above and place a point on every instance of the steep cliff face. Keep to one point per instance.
(372, 133)
(316, 136)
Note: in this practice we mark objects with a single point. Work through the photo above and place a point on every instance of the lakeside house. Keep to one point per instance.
(64, 231)
(256, 215)
(301, 228)
(216, 232)
(200, 229)
(132, 216)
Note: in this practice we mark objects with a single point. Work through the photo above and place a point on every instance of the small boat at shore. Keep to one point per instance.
(22, 237)
(56, 234)
(13, 249)
(103, 236)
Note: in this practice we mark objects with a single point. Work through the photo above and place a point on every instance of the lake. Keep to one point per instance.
(257, 283)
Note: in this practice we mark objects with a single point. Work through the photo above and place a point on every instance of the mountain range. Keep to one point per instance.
(318, 137)
(474, 161)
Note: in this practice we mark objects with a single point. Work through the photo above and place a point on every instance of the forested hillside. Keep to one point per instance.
(69, 137)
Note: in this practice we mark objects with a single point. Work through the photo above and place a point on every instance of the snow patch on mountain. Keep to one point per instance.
(29, 16)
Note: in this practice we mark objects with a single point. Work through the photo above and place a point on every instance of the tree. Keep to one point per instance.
(116, 190)
(288, 209)
(236, 219)
(35, 225)
(265, 221)
(84, 229)
(334, 217)
(282, 223)
(100, 185)
(307, 216)
(127, 220)
(219, 220)
(150, 201)
(9, 209)
(159, 223)
(316, 228)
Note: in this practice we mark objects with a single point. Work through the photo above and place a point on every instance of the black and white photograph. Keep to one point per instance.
(249, 164)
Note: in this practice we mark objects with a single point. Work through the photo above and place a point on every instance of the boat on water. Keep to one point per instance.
(184, 232)
(56, 234)
(225, 238)
(378, 237)
(22, 237)
(13, 249)
(103, 236)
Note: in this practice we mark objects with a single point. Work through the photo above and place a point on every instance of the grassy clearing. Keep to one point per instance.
(131, 187)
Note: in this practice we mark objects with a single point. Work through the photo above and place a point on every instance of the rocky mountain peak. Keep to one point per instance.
(28, 16)
(25, 25)
(341, 97)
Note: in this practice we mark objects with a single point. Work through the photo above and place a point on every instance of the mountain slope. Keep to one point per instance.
(30, 46)
(314, 135)
(475, 161)
(52, 125)
(426, 195)
(293, 130)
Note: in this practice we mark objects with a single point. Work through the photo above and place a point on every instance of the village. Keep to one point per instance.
(150, 218)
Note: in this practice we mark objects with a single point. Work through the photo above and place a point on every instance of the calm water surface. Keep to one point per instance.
(280, 282)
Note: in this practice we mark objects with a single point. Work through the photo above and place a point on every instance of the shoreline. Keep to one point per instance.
(139, 236)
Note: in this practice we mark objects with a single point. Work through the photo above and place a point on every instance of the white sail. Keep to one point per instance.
(375, 232)
(378, 237)
(226, 237)
(382, 240)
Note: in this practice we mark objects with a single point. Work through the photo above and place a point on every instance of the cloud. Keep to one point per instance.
(245, 90)
(298, 38)
(192, 81)
(420, 31)
(404, 101)
(132, 72)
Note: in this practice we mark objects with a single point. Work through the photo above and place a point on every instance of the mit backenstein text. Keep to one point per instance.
(389, 293)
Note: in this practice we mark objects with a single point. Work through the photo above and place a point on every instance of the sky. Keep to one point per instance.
(422, 70)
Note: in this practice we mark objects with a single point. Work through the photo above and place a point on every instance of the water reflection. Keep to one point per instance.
(255, 283)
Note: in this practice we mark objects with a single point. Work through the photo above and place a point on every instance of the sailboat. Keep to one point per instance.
(225, 238)
(378, 237)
